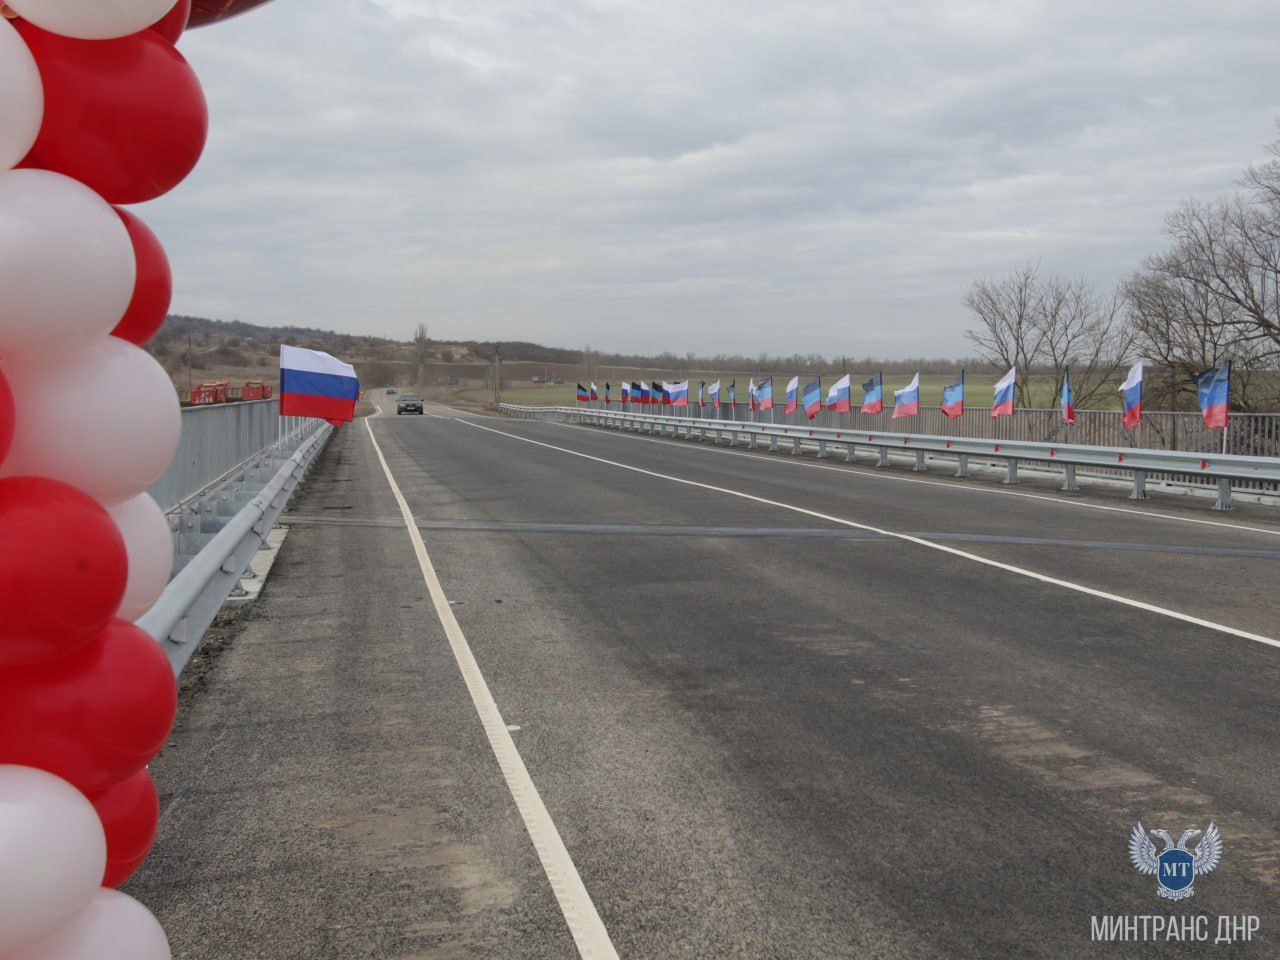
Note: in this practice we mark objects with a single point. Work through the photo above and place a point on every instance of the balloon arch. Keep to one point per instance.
(99, 111)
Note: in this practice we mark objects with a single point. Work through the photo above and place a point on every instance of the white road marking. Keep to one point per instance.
(958, 487)
(930, 544)
(580, 913)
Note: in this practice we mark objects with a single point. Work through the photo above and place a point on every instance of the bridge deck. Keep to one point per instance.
(760, 731)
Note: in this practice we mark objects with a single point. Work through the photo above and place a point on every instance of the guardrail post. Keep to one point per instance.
(962, 469)
(822, 449)
(884, 457)
(1224, 495)
(795, 449)
(1011, 476)
(919, 467)
(848, 453)
(751, 441)
(1069, 478)
(733, 438)
(1139, 485)
(773, 444)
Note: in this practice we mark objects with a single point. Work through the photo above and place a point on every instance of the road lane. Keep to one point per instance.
(858, 746)
(1184, 582)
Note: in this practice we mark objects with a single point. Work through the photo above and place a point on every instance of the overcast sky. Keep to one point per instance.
(817, 176)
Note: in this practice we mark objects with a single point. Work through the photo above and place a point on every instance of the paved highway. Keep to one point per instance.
(760, 720)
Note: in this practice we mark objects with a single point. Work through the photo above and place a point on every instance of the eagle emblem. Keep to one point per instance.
(1175, 867)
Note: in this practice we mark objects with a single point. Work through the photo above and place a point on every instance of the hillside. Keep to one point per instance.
(198, 349)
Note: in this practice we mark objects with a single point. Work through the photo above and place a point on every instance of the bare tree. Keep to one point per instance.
(1184, 327)
(1042, 325)
(1006, 309)
(421, 351)
(1230, 250)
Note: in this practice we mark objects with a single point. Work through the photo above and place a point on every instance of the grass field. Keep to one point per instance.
(978, 390)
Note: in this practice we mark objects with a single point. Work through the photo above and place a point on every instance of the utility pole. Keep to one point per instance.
(188, 363)
(497, 375)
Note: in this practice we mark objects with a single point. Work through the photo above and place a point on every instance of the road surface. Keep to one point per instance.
(762, 722)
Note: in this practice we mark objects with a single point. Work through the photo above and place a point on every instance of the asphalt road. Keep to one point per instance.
(760, 728)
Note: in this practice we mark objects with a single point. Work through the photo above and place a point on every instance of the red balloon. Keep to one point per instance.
(93, 717)
(153, 288)
(63, 569)
(6, 417)
(171, 25)
(129, 811)
(126, 117)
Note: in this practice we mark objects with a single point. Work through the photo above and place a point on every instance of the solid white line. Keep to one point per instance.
(930, 544)
(580, 913)
(879, 475)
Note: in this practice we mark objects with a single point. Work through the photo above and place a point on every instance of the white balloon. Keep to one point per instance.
(102, 416)
(92, 19)
(52, 854)
(149, 546)
(22, 106)
(113, 926)
(67, 268)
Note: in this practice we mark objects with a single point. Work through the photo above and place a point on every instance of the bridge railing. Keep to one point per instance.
(219, 439)
(1250, 434)
(1139, 463)
(226, 541)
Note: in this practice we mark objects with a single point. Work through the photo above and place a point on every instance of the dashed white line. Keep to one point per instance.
(579, 911)
(930, 544)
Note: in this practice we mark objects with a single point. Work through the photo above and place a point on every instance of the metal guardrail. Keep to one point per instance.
(217, 440)
(194, 596)
(1140, 462)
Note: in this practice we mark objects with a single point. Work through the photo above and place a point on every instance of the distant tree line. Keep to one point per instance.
(1212, 296)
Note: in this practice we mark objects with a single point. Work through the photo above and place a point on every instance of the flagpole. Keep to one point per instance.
(1226, 430)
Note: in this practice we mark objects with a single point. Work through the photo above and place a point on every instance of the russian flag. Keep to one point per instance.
(624, 392)
(813, 397)
(666, 393)
(733, 395)
(595, 393)
(680, 394)
(644, 392)
(838, 400)
(315, 384)
(1002, 403)
(583, 394)
(714, 390)
(1213, 387)
(1131, 397)
(751, 394)
(764, 394)
(873, 394)
(1068, 407)
(906, 402)
(793, 395)
(953, 398)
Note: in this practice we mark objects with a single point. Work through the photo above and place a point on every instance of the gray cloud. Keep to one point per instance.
(816, 176)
